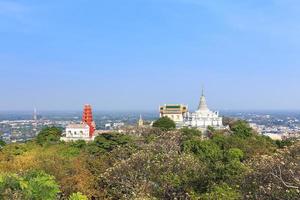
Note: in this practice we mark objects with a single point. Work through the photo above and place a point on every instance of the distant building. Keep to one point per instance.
(200, 119)
(83, 131)
(87, 117)
(108, 126)
(35, 114)
(274, 136)
(141, 122)
(77, 132)
(35, 122)
(203, 117)
(176, 112)
(118, 125)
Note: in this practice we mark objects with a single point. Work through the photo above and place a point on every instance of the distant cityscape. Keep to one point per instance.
(277, 125)
(23, 126)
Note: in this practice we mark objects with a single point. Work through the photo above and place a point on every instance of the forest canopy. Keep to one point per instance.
(157, 163)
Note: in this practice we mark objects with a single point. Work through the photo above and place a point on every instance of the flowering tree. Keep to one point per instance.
(274, 177)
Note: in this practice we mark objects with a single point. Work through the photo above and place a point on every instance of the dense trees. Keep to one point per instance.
(164, 123)
(107, 142)
(241, 129)
(274, 177)
(49, 135)
(152, 164)
(33, 185)
(189, 133)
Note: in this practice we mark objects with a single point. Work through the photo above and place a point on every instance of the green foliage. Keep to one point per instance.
(221, 140)
(108, 141)
(206, 150)
(190, 133)
(224, 164)
(10, 187)
(78, 196)
(150, 138)
(70, 152)
(250, 146)
(231, 172)
(2, 144)
(16, 149)
(284, 143)
(211, 131)
(49, 135)
(40, 186)
(221, 192)
(165, 124)
(242, 129)
(80, 144)
(32, 186)
(72, 149)
(234, 154)
(151, 164)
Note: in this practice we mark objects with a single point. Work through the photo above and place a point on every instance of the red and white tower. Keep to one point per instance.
(87, 117)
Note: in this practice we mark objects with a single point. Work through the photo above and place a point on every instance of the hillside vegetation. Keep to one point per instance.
(153, 163)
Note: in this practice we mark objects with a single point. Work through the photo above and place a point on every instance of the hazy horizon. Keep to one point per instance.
(139, 54)
(143, 111)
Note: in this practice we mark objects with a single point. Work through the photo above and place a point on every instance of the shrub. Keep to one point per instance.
(108, 141)
(242, 129)
(165, 124)
(78, 196)
(35, 185)
(49, 135)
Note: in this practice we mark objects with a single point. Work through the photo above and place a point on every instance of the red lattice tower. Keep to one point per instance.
(87, 117)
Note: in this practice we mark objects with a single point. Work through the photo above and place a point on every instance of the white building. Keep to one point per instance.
(76, 132)
(203, 117)
(108, 126)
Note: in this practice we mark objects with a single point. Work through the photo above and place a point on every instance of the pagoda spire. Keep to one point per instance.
(87, 117)
(202, 105)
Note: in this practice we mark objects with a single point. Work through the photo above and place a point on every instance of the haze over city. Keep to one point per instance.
(139, 54)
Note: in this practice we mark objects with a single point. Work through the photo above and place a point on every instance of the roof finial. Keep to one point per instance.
(202, 104)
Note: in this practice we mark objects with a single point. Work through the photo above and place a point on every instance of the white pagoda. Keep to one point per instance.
(203, 117)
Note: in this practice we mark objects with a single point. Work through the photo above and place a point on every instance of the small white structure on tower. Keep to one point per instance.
(203, 117)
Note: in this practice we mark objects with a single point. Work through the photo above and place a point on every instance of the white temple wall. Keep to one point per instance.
(77, 132)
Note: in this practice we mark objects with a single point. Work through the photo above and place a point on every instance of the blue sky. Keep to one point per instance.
(138, 54)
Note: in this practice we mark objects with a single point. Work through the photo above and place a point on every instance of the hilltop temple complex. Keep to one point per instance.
(201, 119)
